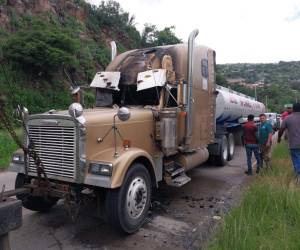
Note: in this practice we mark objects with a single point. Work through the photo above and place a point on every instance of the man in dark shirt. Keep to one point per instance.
(292, 125)
(251, 144)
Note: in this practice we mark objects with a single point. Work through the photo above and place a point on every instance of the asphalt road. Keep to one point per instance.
(181, 218)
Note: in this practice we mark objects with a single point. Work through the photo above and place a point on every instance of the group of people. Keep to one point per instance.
(258, 139)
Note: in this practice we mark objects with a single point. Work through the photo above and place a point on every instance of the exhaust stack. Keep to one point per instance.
(113, 50)
(189, 95)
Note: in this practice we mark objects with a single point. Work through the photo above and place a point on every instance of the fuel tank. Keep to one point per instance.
(231, 105)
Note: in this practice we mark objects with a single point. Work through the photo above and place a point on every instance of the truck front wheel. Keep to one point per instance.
(35, 203)
(127, 207)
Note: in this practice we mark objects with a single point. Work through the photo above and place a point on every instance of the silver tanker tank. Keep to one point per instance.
(231, 106)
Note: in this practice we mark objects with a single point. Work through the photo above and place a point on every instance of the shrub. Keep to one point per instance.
(41, 51)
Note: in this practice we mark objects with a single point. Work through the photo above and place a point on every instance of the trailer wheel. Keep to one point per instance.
(127, 207)
(30, 202)
(221, 158)
(231, 146)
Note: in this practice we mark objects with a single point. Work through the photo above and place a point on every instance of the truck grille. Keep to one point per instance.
(56, 147)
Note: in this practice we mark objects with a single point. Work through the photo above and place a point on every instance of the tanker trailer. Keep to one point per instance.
(231, 109)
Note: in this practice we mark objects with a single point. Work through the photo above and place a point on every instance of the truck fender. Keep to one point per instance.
(125, 160)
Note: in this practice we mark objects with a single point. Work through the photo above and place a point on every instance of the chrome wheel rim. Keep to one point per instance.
(231, 146)
(225, 151)
(136, 197)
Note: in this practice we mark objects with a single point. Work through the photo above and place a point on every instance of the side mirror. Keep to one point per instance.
(123, 114)
(24, 113)
(21, 113)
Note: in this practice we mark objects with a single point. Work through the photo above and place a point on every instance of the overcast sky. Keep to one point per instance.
(239, 30)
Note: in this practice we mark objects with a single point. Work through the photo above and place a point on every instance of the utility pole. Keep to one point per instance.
(266, 102)
(296, 96)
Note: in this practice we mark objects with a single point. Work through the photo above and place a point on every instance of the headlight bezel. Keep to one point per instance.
(101, 168)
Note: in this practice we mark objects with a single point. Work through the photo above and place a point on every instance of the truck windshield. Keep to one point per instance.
(128, 95)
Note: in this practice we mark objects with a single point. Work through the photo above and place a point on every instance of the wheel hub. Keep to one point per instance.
(225, 152)
(231, 147)
(136, 197)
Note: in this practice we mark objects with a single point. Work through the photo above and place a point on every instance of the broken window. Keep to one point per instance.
(128, 95)
(104, 97)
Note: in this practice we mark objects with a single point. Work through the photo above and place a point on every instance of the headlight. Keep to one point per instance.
(17, 158)
(101, 168)
(75, 110)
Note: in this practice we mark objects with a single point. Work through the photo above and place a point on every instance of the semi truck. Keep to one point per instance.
(158, 113)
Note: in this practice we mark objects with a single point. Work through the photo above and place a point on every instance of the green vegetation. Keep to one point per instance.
(268, 216)
(152, 37)
(7, 147)
(35, 46)
(41, 51)
(282, 81)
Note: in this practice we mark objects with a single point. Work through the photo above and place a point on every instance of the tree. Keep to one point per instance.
(41, 50)
(167, 36)
(221, 80)
(151, 36)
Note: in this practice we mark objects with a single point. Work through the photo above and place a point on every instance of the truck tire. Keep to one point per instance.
(231, 146)
(127, 207)
(34, 203)
(221, 158)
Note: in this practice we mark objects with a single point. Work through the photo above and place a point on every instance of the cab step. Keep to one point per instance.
(175, 174)
(172, 168)
(178, 181)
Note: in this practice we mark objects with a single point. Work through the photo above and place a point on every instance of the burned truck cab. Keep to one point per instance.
(153, 119)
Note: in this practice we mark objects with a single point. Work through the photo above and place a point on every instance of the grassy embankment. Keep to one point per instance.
(269, 214)
(7, 147)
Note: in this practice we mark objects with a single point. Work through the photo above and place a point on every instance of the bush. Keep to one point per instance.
(7, 147)
(41, 51)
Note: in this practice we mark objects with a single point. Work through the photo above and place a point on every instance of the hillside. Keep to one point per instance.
(276, 83)
(39, 38)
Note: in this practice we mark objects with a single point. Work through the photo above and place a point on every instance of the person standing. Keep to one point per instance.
(286, 113)
(292, 125)
(251, 144)
(265, 132)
